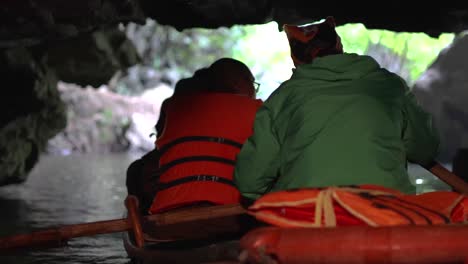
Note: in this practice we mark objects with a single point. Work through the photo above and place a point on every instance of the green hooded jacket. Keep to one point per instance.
(340, 120)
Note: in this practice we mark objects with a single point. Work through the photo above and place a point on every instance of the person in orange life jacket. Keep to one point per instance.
(204, 130)
(141, 174)
(140, 180)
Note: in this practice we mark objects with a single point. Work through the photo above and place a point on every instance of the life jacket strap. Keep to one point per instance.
(219, 140)
(176, 162)
(198, 178)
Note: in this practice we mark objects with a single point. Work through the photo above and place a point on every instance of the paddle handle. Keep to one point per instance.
(457, 183)
(133, 223)
(61, 234)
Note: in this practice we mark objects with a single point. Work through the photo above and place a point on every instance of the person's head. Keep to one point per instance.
(313, 40)
(232, 76)
(200, 81)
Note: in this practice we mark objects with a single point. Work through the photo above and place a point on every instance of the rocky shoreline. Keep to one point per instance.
(101, 121)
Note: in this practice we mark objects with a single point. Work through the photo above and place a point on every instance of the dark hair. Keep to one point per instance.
(219, 77)
(200, 81)
(226, 71)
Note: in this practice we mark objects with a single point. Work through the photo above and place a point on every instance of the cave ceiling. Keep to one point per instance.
(28, 22)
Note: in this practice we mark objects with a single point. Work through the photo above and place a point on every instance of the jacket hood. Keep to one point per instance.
(341, 67)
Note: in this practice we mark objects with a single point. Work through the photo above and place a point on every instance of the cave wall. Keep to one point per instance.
(32, 22)
(443, 91)
(92, 59)
(34, 112)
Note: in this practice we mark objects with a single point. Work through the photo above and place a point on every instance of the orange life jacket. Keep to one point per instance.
(364, 205)
(202, 136)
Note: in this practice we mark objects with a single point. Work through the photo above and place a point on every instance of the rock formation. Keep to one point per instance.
(443, 91)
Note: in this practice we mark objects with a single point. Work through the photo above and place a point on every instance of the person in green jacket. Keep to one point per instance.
(339, 120)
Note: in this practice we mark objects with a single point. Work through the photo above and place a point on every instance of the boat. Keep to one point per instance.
(230, 234)
(357, 245)
(194, 235)
(352, 245)
(227, 234)
(183, 252)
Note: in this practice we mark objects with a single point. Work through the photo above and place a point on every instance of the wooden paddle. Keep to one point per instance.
(454, 181)
(61, 234)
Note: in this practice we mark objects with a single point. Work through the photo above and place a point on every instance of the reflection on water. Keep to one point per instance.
(68, 190)
(87, 188)
(425, 181)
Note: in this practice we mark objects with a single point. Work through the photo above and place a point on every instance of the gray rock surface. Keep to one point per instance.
(33, 112)
(443, 91)
(100, 121)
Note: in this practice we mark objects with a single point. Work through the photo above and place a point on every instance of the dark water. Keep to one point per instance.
(68, 190)
(87, 188)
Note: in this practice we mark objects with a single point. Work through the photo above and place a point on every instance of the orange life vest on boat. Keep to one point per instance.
(202, 136)
(360, 205)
